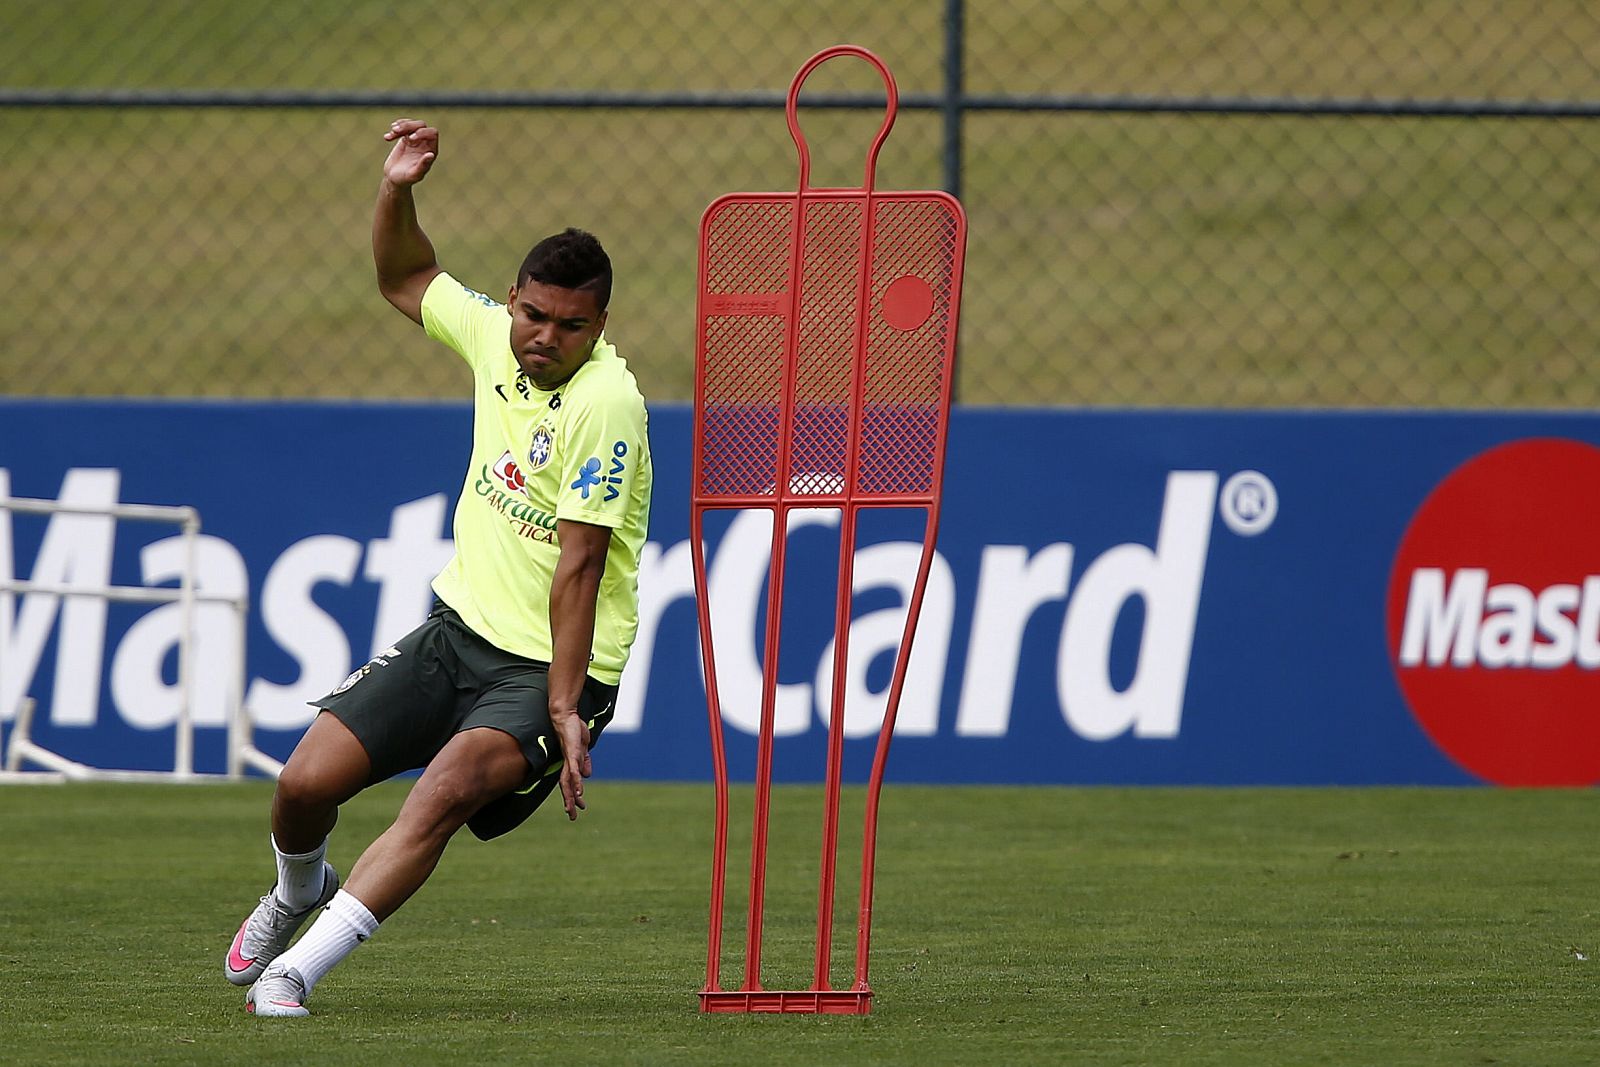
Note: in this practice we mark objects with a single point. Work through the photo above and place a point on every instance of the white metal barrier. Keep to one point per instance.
(241, 751)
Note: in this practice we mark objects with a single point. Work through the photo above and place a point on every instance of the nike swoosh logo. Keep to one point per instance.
(236, 957)
(502, 391)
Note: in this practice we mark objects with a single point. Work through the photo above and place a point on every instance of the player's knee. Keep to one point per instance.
(479, 767)
(443, 805)
(327, 767)
(485, 765)
(303, 785)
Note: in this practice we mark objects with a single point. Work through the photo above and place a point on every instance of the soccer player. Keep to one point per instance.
(501, 692)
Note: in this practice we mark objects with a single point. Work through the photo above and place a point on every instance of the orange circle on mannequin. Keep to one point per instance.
(907, 302)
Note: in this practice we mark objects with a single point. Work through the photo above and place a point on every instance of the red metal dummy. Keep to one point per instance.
(826, 348)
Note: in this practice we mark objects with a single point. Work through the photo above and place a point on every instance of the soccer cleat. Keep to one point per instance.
(265, 935)
(279, 993)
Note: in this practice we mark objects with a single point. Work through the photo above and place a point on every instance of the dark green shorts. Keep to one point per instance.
(408, 701)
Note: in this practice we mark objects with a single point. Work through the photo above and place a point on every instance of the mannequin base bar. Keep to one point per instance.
(804, 1002)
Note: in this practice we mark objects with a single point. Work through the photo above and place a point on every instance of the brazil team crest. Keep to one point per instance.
(539, 449)
(355, 676)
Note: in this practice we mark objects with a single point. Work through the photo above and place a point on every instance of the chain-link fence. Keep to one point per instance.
(1256, 203)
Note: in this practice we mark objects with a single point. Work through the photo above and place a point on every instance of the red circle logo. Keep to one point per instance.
(1494, 614)
(907, 303)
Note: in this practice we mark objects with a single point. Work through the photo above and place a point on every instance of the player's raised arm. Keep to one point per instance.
(401, 252)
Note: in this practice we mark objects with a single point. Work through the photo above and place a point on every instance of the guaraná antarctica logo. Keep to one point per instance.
(1494, 614)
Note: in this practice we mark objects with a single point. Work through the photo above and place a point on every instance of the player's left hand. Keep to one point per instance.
(576, 764)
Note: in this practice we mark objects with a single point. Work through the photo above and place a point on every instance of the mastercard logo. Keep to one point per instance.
(1493, 614)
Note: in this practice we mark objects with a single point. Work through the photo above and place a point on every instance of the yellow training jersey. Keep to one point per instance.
(579, 452)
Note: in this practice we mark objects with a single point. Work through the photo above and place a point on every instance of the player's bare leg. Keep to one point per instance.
(328, 767)
(477, 766)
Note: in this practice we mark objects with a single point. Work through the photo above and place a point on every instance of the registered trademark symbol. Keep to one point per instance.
(1249, 503)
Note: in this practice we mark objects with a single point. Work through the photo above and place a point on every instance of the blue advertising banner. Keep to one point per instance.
(1118, 597)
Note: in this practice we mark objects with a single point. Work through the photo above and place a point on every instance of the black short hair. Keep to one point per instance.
(571, 259)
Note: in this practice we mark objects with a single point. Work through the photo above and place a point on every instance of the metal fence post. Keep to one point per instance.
(954, 102)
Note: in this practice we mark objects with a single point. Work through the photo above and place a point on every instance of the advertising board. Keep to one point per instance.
(1132, 597)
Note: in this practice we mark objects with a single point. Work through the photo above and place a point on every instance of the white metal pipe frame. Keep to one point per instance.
(241, 752)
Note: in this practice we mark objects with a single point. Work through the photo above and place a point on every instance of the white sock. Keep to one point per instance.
(300, 876)
(343, 925)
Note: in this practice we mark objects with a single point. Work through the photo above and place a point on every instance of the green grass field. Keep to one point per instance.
(1114, 259)
(1085, 926)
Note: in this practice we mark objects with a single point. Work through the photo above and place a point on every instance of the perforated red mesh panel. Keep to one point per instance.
(744, 335)
(914, 292)
(825, 351)
(902, 278)
(745, 376)
(747, 247)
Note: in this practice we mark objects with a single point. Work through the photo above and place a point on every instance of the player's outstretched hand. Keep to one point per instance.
(576, 764)
(416, 146)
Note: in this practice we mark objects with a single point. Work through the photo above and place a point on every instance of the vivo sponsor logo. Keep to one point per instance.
(1458, 618)
(1013, 584)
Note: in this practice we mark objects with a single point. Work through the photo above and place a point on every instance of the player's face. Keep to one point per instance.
(553, 330)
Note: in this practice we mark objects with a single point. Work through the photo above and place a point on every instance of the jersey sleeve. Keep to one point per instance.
(465, 319)
(602, 447)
